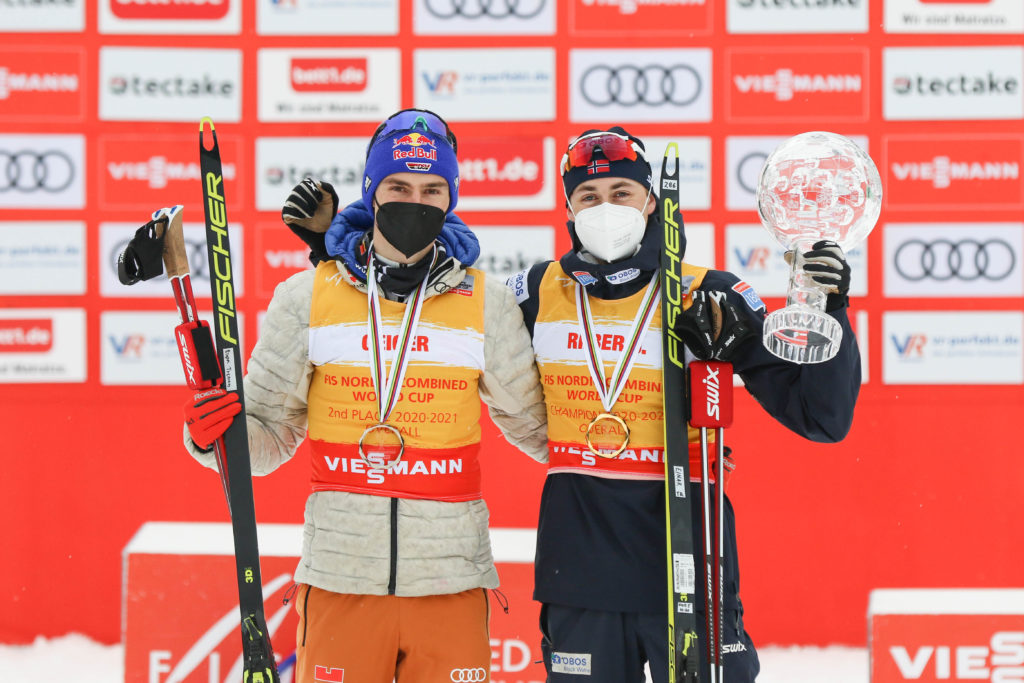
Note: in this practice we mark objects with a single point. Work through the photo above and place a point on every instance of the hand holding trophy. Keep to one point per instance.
(814, 186)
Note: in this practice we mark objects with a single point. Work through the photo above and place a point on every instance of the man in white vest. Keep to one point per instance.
(387, 381)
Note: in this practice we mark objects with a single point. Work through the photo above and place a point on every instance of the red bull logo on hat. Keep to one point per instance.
(414, 140)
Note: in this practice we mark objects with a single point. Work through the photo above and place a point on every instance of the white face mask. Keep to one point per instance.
(610, 231)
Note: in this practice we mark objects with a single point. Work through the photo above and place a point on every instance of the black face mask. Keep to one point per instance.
(409, 227)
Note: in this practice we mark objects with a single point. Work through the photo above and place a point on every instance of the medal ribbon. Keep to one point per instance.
(609, 393)
(388, 387)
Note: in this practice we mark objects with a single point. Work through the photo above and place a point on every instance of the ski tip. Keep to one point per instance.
(204, 121)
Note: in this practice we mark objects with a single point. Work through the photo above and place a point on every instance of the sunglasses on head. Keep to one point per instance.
(415, 119)
(613, 146)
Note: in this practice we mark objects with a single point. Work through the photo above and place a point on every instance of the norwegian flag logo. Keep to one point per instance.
(598, 166)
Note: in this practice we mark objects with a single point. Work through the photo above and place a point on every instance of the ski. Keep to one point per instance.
(684, 657)
(257, 654)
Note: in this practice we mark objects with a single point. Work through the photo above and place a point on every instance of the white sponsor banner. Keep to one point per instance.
(754, 256)
(700, 244)
(954, 259)
(484, 17)
(943, 83)
(508, 249)
(694, 168)
(328, 84)
(327, 17)
(668, 85)
(508, 84)
(950, 16)
(42, 172)
(43, 17)
(282, 163)
(797, 16)
(39, 257)
(138, 347)
(170, 84)
(178, 17)
(115, 236)
(744, 159)
(953, 347)
(42, 345)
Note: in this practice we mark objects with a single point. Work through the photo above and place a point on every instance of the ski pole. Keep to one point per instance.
(711, 407)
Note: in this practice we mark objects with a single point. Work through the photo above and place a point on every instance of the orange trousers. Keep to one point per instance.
(384, 638)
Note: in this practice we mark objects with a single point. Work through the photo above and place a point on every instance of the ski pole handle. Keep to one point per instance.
(710, 393)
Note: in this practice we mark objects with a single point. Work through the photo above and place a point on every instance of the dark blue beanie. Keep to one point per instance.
(638, 169)
(420, 144)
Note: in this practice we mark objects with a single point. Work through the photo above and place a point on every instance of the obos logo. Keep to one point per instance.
(328, 74)
(170, 9)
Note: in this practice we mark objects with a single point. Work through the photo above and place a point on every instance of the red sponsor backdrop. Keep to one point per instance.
(925, 472)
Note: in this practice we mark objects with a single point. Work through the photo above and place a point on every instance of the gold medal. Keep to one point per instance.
(376, 462)
(617, 420)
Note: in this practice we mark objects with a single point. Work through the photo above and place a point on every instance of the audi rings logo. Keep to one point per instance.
(966, 259)
(653, 85)
(494, 9)
(29, 171)
(476, 675)
(748, 170)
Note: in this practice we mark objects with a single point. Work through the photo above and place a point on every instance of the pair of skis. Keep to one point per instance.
(207, 368)
(699, 392)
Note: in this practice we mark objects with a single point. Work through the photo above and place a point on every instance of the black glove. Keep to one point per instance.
(308, 213)
(826, 264)
(712, 328)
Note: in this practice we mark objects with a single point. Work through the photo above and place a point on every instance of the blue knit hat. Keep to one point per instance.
(411, 141)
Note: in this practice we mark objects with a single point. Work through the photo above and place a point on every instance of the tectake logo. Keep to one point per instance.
(953, 171)
(282, 163)
(953, 83)
(310, 74)
(783, 83)
(170, 84)
(797, 16)
(170, 9)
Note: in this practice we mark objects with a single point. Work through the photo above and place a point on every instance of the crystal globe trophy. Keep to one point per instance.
(814, 186)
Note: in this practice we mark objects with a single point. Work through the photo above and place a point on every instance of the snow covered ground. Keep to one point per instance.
(77, 658)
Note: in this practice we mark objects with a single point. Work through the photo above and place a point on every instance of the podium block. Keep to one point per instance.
(180, 619)
(950, 634)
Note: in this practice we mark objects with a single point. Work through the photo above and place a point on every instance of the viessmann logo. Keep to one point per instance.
(158, 170)
(170, 9)
(12, 81)
(942, 171)
(328, 74)
(630, 6)
(785, 83)
(26, 335)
